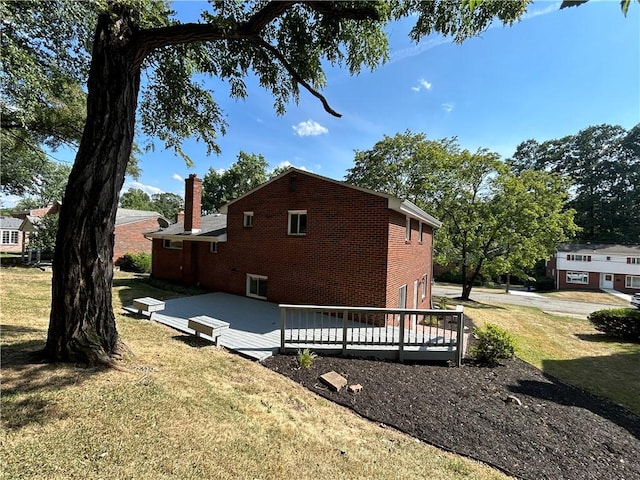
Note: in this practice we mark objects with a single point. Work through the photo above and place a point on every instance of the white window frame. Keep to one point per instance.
(297, 214)
(633, 260)
(12, 237)
(402, 296)
(579, 258)
(572, 277)
(213, 247)
(407, 232)
(424, 286)
(247, 219)
(629, 281)
(172, 244)
(251, 276)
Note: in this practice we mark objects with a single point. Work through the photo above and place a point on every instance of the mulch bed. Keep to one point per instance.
(558, 432)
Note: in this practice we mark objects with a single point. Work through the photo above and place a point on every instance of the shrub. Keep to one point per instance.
(618, 322)
(492, 344)
(135, 262)
(545, 284)
(306, 357)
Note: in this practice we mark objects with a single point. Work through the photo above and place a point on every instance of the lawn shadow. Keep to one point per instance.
(30, 381)
(559, 392)
(600, 338)
(193, 341)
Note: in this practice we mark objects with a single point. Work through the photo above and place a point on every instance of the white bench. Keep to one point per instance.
(211, 327)
(148, 305)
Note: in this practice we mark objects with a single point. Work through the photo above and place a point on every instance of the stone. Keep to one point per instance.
(334, 380)
(355, 388)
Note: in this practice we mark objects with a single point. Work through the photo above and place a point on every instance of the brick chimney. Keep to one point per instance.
(180, 216)
(192, 204)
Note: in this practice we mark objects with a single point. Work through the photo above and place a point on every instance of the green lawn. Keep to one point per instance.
(182, 410)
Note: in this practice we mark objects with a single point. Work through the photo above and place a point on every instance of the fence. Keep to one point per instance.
(403, 334)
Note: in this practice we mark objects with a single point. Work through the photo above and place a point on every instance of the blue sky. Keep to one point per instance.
(550, 75)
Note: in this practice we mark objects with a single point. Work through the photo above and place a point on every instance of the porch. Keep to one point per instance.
(259, 329)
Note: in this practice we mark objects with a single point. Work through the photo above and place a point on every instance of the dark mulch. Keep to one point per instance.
(559, 432)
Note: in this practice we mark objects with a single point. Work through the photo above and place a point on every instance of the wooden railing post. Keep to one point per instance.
(283, 315)
(460, 336)
(401, 338)
(344, 332)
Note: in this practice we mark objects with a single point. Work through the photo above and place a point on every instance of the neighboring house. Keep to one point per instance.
(596, 266)
(303, 239)
(10, 236)
(130, 228)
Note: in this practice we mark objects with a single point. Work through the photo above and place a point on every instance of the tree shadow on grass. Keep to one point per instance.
(559, 392)
(30, 381)
(601, 338)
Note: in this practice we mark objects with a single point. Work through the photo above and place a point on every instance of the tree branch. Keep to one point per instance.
(296, 76)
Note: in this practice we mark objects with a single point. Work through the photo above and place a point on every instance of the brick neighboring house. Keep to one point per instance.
(596, 266)
(130, 227)
(303, 239)
(10, 235)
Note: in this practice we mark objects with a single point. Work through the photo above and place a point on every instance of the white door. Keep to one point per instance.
(606, 280)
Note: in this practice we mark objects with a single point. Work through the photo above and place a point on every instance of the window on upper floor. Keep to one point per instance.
(213, 247)
(172, 244)
(421, 232)
(407, 235)
(633, 260)
(579, 258)
(578, 277)
(248, 219)
(297, 222)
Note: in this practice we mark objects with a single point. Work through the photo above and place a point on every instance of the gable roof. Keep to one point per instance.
(403, 206)
(212, 228)
(10, 223)
(127, 215)
(599, 248)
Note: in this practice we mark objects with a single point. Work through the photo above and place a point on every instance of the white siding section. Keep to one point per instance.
(599, 264)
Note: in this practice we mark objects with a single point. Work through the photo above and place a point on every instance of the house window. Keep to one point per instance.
(248, 219)
(421, 233)
(608, 259)
(632, 281)
(257, 286)
(407, 235)
(213, 247)
(402, 297)
(173, 244)
(9, 237)
(297, 222)
(424, 286)
(579, 258)
(633, 260)
(578, 277)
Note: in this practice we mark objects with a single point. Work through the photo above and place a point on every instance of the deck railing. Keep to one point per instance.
(404, 334)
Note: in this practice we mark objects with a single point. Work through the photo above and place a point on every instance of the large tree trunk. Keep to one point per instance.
(82, 325)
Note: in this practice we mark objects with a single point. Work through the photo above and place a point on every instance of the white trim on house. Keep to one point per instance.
(632, 281)
(578, 278)
(300, 230)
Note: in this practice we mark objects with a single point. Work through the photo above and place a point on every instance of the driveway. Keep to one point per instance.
(526, 299)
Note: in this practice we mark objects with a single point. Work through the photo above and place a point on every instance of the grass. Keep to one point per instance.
(570, 349)
(589, 297)
(185, 411)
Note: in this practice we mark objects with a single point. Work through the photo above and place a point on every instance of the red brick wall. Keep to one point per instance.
(166, 263)
(408, 261)
(340, 261)
(129, 237)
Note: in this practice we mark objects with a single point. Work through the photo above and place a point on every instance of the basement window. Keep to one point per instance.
(257, 286)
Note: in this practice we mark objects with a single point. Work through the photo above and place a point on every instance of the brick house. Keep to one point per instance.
(596, 266)
(303, 239)
(130, 228)
(10, 235)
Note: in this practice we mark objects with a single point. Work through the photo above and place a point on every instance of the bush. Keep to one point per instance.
(306, 357)
(545, 284)
(135, 262)
(618, 322)
(493, 343)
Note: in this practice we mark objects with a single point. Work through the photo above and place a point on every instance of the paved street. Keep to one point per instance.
(547, 304)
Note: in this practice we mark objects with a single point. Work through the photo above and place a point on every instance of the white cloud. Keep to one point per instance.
(422, 83)
(148, 189)
(287, 163)
(447, 107)
(177, 177)
(309, 128)
(553, 7)
(421, 47)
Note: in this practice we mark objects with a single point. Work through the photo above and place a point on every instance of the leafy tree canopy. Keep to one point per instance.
(603, 162)
(494, 221)
(218, 188)
(136, 199)
(167, 204)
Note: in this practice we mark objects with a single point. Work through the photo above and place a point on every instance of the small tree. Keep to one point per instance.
(45, 238)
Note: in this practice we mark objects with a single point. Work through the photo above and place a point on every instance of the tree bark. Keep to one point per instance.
(82, 324)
